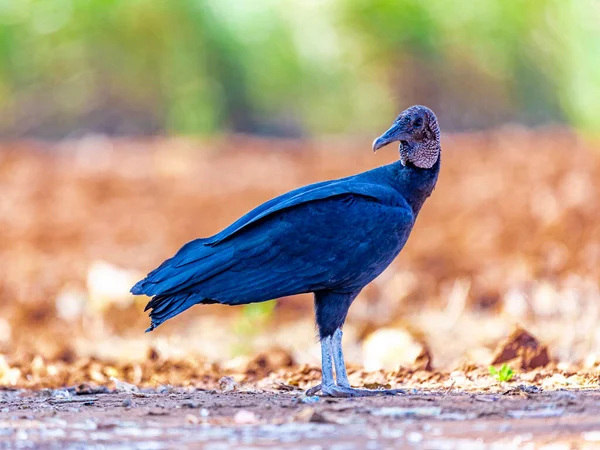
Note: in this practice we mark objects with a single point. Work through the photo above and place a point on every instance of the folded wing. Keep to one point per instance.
(301, 242)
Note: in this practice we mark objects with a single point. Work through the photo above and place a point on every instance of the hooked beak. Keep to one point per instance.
(395, 133)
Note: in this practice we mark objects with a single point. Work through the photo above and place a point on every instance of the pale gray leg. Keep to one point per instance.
(341, 375)
(326, 367)
(332, 345)
(326, 362)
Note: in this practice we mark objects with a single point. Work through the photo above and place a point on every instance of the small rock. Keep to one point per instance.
(127, 403)
(310, 415)
(284, 387)
(227, 384)
(522, 389)
(309, 399)
(192, 419)
(122, 386)
(140, 394)
(245, 417)
(523, 347)
(89, 389)
(529, 389)
(62, 394)
(190, 404)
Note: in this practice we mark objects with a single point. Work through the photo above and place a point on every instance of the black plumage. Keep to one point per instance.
(331, 238)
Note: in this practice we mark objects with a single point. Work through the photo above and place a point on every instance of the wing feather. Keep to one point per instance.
(300, 243)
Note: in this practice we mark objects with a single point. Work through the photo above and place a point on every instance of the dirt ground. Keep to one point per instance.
(510, 237)
(522, 417)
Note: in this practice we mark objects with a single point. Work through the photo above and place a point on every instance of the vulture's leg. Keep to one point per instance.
(326, 367)
(341, 375)
(331, 310)
(326, 362)
(343, 388)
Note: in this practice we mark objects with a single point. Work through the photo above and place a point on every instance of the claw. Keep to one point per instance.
(313, 390)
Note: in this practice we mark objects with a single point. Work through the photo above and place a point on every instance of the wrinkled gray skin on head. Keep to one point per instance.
(418, 132)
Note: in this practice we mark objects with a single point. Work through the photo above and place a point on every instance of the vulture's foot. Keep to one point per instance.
(332, 354)
(347, 391)
(343, 391)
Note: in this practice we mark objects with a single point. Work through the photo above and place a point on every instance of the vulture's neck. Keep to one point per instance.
(415, 184)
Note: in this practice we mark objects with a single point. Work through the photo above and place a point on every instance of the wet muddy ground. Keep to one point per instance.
(521, 417)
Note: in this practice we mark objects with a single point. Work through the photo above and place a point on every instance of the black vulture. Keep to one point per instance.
(330, 238)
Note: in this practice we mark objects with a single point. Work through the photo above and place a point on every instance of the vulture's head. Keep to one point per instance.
(418, 132)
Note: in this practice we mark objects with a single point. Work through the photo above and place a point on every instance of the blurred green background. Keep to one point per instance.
(293, 67)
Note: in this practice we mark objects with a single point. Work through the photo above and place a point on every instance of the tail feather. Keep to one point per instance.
(170, 285)
(138, 288)
(164, 307)
(179, 282)
(170, 279)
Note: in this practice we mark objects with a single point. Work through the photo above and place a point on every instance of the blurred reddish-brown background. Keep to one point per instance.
(510, 236)
(130, 128)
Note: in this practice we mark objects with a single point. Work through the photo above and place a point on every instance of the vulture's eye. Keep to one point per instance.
(418, 122)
